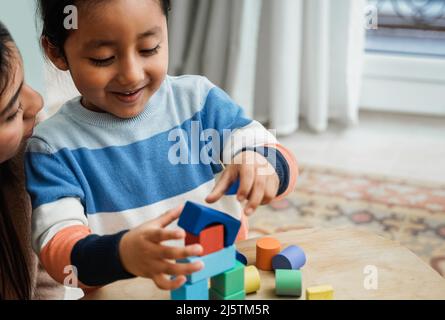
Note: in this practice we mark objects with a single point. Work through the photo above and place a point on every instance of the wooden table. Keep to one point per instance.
(334, 256)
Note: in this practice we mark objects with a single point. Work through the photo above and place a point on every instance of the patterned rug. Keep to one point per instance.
(408, 212)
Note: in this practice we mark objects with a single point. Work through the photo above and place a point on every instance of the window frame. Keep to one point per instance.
(408, 84)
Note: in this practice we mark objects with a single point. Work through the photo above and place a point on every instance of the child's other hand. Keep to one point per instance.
(259, 181)
(143, 254)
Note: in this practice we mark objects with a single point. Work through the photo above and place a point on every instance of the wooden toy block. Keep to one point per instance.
(252, 280)
(195, 218)
(288, 282)
(229, 282)
(325, 292)
(241, 258)
(211, 239)
(266, 249)
(214, 295)
(292, 257)
(195, 291)
(233, 190)
(214, 264)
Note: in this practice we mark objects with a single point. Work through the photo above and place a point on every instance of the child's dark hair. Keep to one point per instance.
(53, 16)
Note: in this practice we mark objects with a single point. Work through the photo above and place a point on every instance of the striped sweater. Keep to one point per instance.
(92, 176)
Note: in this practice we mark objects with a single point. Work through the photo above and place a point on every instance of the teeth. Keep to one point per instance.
(130, 93)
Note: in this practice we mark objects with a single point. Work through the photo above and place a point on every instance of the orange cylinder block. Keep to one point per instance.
(266, 249)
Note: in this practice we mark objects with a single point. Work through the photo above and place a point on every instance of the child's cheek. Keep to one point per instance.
(92, 79)
(158, 72)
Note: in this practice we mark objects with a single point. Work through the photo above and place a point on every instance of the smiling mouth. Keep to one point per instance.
(129, 96)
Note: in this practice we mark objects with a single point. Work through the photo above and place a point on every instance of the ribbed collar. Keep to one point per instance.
(76, 110)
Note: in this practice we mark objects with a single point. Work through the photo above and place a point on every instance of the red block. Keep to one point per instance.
(211, 239)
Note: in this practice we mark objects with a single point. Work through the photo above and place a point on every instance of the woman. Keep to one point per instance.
(20, 276)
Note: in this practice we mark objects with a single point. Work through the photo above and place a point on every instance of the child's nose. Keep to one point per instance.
(131, 73)
(32, 102)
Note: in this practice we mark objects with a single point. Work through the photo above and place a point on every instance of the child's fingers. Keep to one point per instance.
(257, 195)
(229, 175)
(175, 253)
(271, 191)
(247, 178)
(168, 217)
(181, 269)
(160, 235)
(165, 283)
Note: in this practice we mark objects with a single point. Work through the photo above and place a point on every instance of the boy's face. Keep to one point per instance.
(118, 56)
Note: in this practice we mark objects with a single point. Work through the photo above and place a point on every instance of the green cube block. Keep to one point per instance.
(229, 282)
(214, 295)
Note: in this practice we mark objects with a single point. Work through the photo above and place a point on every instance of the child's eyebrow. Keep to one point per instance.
(96, 44)
(152, 32)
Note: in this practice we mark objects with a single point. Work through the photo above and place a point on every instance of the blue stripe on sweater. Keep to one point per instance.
(116, 179)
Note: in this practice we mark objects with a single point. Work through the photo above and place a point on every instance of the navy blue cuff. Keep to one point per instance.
(98, 261)
(278, 161)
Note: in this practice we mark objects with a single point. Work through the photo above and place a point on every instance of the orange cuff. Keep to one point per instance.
(293, 169)
(56, 255)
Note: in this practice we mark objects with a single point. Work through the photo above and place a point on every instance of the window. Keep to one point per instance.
(405, 57)
(409, 27)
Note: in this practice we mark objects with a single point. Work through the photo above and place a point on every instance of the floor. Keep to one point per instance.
(400, 146)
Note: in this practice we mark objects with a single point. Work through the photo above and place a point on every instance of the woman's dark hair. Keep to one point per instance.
(5, 55)
(15, 280)
(52, 15)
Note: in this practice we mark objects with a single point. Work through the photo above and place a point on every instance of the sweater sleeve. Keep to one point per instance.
(60, 234)
(238, 133)
(281, 165)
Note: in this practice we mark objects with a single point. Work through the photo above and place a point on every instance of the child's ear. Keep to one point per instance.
(54, 54)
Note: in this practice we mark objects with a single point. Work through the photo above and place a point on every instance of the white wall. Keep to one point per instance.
(19, 17)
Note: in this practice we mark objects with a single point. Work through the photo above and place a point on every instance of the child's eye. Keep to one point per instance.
(14, 116)
(102, 62)
(151, 52)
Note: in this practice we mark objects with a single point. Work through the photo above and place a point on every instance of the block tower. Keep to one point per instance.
(216, 232)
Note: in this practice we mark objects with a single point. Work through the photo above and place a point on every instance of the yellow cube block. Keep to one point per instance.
(325, 292)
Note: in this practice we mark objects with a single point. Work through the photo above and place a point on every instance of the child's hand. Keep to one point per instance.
(143, 255)
(259, 181)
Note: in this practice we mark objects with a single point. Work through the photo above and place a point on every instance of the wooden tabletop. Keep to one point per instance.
(343, 257)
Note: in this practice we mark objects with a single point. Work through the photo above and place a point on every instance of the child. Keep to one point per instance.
(137, 143)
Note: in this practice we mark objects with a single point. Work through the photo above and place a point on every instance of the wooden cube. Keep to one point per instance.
(211, 239)
(214, 295)
(230, 282)
(214, 264)
(192, 291)
(325, 292)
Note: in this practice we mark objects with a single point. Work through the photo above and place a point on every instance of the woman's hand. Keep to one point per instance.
(259, 181)
(143, 254)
